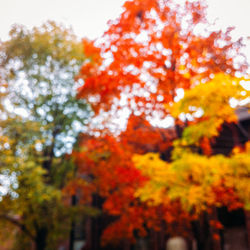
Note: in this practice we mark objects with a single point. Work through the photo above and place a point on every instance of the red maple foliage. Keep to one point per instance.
(153, 49)
(114, 178)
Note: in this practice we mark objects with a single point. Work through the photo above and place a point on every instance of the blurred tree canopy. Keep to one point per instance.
(39, 123)
(155, 50)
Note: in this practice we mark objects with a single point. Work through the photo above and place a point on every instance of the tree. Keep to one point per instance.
(151, 52)
(39, 124)
(199, 179)
(153, 49)
(112, 175)
(190, 170)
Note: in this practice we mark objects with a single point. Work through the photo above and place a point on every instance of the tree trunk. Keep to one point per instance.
(200, 229)
(41, 238)
(72, 231)
(247, 218)
(216, 243)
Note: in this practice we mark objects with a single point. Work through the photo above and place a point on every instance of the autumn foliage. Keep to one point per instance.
(147, 175)
(151, 50)
(116, 179)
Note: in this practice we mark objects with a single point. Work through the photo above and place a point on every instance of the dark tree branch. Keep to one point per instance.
(17, 223)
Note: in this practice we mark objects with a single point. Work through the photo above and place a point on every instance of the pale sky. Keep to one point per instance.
(89, 17)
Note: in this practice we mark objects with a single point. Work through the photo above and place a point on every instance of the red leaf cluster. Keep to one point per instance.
(155, 46)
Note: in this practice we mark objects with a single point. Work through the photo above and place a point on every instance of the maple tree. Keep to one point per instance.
(150, 51)
(201, 181)
(154, 49)
(110, 172)
(188, 168)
